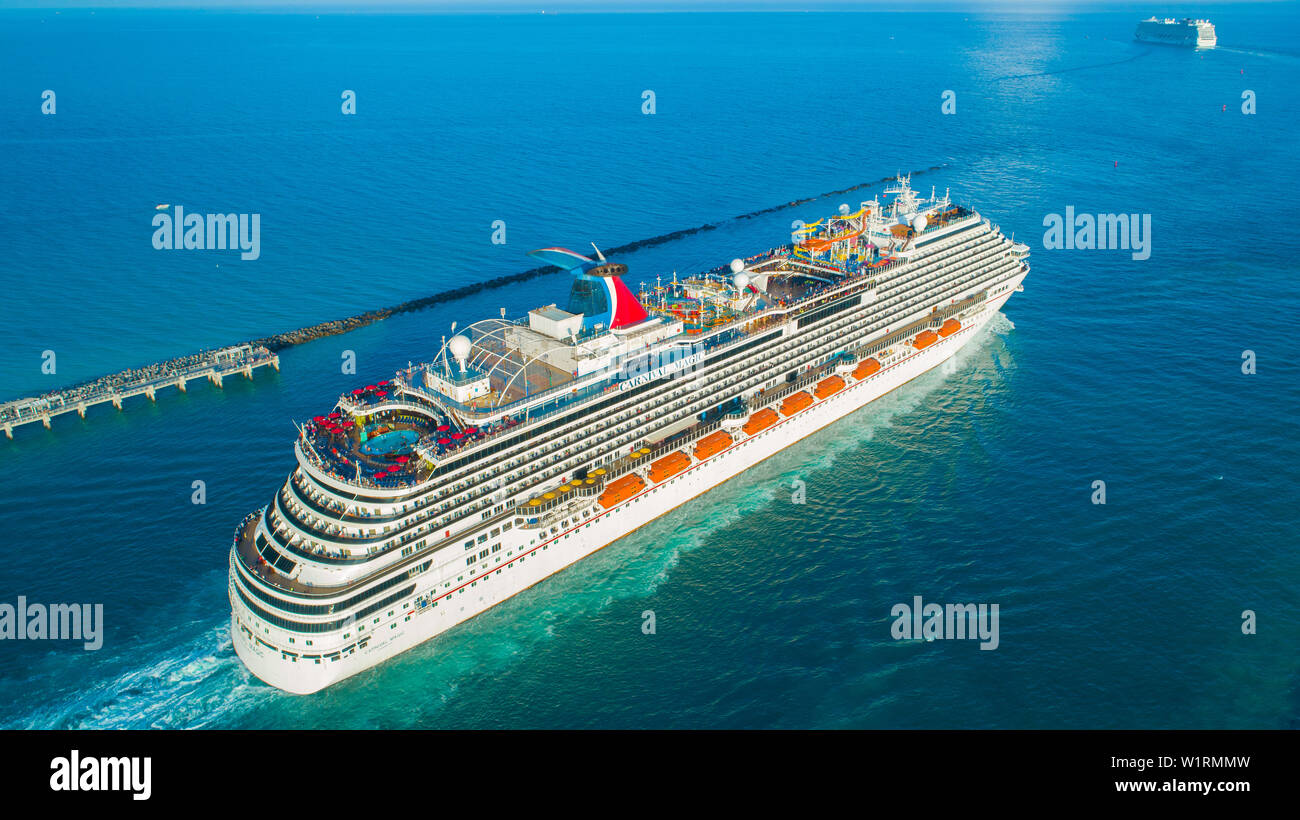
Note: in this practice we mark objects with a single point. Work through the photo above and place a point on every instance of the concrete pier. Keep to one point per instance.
(213, 365)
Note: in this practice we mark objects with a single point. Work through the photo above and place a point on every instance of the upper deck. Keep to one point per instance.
(499, 375)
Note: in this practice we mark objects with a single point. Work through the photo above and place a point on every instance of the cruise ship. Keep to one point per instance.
(526, 444)
(1184, 32)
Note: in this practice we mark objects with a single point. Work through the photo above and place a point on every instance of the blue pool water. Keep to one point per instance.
(397, 441)
(973, 485)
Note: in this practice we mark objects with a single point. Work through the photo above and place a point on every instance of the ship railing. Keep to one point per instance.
(561, 496)
(328, 469)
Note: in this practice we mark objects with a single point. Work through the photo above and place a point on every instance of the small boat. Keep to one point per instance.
(924, 339)
(162, 207)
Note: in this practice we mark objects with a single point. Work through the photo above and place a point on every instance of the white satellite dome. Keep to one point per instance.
(741, 279)
(459, 347)
(919, 223)
(737, 265)
(844, 208)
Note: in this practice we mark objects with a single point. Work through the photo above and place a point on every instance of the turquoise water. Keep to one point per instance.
(398, 441)
(971, 485)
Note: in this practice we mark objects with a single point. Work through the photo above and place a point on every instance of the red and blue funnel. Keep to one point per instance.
(598, 292)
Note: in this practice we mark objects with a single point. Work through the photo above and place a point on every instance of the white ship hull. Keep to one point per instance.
(1194, 33)
(528, 564)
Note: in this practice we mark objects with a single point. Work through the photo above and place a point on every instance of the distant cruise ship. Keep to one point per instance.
(528, 444)
(1185, 32)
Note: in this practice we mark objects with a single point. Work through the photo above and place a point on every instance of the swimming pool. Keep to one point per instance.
(398, 441)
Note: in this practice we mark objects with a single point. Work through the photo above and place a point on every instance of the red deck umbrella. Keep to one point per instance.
(358, 392)
(394, 468)
(458, 436)
(444, 441)
(381, 393)
(334, 415)
(370, 387)
(348, 423)
(442, 428)
(318, 419)
(402, 459)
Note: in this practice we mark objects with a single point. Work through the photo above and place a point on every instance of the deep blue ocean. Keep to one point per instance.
(968, 486)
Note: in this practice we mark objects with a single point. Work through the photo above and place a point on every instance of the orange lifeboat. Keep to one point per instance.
(866, 368)
(828, 387)
(669, 466)
(623, 488)
(924, 339)
(796, 402)
(760, 421)
(712, 444)
(949, 327)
